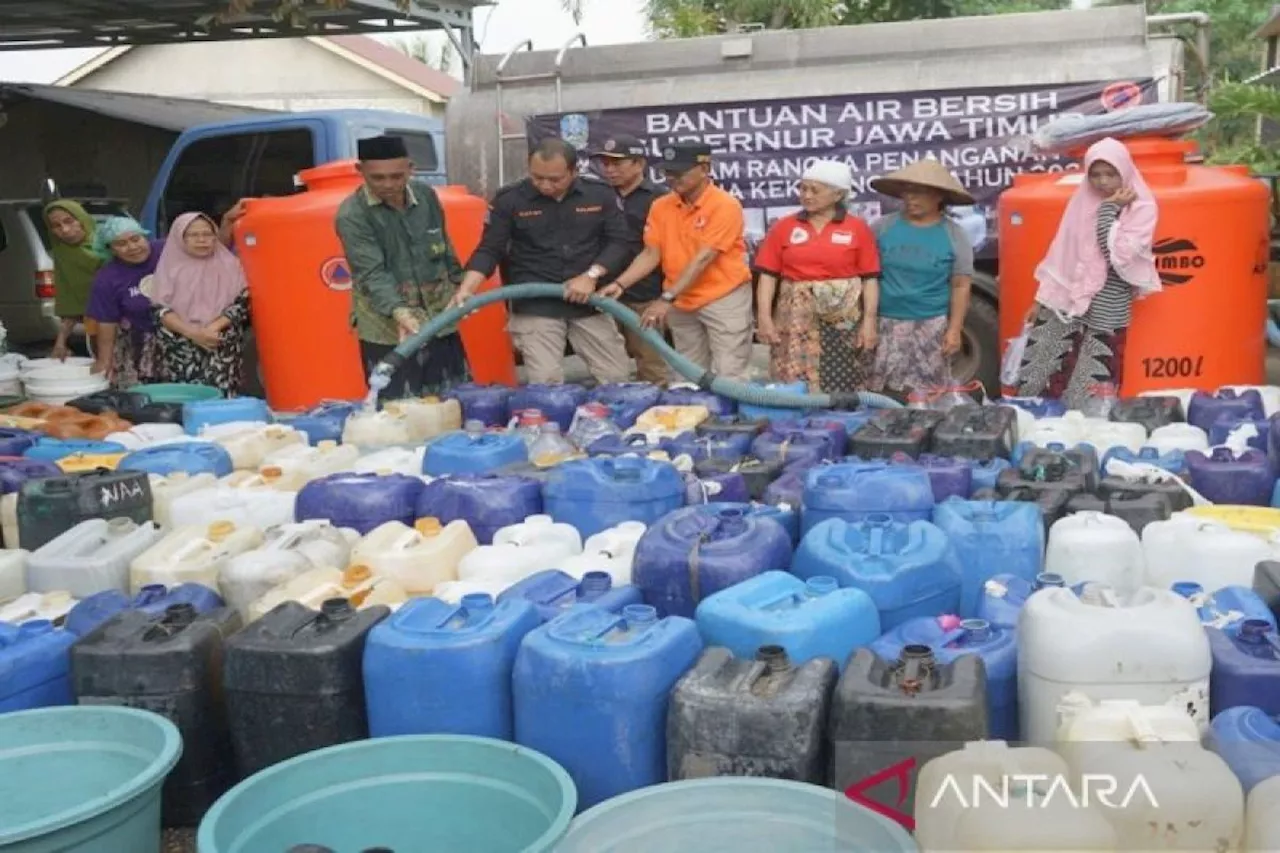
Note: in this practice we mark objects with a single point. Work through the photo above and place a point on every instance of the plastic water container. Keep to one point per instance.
(553, 592)
(520, 550)
(691, 554)
(699, 446)
(612, 551)
(951, 817)
(153, 601)
(788, 518)
(1206, 408)
(1067, 429)
(1183, 437)
(474, 451)
(1226, 477)
(287, 551)
(1038, 407)
(250, 444)
(147, 435)
(244, 507)
(1151, 412)
(760, 715)
(949, 476)
(1162, 776)
(360, 501)
(756, 474)
(169, 665)
(688, 394)
(807, 619)
(198, 414)
(1091, 546)
(626, 400)
(91, 557)
(851, 491)
(631, 444)
(1108, 435)
(886, 712)
(1225, 426)
(35, 663)
(487, 404)
(1246, 667)
(788, 490)
(1226, 608)
(976, 432)
(557, 402)
(984, 473)
(1004, 595)
(14, 442)
(1262, 825)
(593, 495)
(370, 430)
(1056, 467)
(314, 587)
(486, 502)
(730, 487)
(453, 592)
(34, 607)
(774, 414)
(417, 558)
(301, 463)
(13, 574)
(54, 449)
(908, 569)
(722, 426)
(950, 637)
(392, 460)
(591, 690)
(324, 422)
(1173, 460)
(167, 488)
(1150, 648)
(188, 457)
(437, 668)
(883, 436)
(991, 536)
(294, 682)
(1248, 739)
(1191, 549)
(49, 506)
(833, 428)
(428, 417)
(79, 462)
(192, 554)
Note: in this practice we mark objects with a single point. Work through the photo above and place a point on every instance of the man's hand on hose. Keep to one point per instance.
(407, 321)
(579, 289)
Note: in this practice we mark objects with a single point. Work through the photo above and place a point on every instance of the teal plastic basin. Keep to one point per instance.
(177, 392)
(83, 779)
(733, 815)
(420, 793)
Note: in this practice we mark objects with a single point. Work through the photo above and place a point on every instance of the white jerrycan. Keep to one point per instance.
(147, 435)
(298, 464)
(417, 558)
(192, 554)
(168, 488)
(988, 796)
(250, 444)
(611, 551)
(288, 551)
(92, 557)
(1194, 549)
(428, 417)
(1093, 546)
(313, 588)
(370, 430)
(451, 592)
(1107, 435)
(1262, 817)
(1150, 648)
(520, 550)
(1148, 766)
(246, 506)
(1068, 430)
(13, 574)
(1182, 437)
(392, 460)
(53, 606)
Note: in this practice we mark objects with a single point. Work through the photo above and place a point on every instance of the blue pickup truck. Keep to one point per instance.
(211, 166)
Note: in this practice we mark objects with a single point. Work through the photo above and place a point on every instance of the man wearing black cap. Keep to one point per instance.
(553, 226)
(696, 235)
(403, 267)
(625, 164)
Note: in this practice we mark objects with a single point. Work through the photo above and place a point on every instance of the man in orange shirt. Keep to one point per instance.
(696, 235)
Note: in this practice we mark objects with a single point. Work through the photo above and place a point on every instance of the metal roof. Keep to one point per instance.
(176, 114)
(27, 24)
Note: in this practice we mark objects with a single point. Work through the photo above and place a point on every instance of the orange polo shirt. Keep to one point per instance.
(680, 230)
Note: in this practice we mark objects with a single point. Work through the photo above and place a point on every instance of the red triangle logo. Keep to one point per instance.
(902, 772)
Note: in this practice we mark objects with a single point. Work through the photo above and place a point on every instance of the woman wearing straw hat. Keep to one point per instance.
(926, 267)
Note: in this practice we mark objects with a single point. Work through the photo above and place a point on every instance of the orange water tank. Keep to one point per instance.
(301, 292)
(1212, 245)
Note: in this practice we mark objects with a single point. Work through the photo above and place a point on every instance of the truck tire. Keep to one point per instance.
(979, 356)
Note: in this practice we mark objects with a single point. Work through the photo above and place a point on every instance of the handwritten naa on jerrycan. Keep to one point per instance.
(49, 506)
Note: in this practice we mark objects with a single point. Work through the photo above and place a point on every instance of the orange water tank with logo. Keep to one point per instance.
(1208, 325)
(300, 286)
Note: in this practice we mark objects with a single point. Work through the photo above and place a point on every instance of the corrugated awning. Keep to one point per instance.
(26, 24)
(175, 114)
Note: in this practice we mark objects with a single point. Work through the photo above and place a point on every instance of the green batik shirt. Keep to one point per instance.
(398, 258)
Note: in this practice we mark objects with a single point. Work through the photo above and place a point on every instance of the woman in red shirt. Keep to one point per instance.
(827, 262)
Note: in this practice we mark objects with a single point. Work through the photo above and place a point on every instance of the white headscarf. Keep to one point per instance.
(831, 173)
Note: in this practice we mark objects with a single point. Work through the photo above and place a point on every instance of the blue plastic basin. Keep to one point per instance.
(83, 779)
(420, 793)
(732, 815)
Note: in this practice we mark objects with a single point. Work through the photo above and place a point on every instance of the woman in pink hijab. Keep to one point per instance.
(202, 305)
(1099, 262)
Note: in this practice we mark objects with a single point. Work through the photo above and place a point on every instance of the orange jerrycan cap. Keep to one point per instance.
(221, 529)
(356, 575)
(428, 526)
(326, 444)
(270, 473)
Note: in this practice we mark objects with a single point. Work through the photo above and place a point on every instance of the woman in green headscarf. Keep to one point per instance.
(71, 233)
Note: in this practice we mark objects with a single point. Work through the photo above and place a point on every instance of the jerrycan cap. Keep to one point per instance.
(1045, 579)
(913, 667)
(820, 585)
(337, 609)
(1255, 630)
(121, 526)
(270, 472)
(774, 658)
(595, 583)
(428, 526)
(183, 613)
(1188, 589)
(431, 399)
(640, 615)
(220, 530)
(477, 602)
(356, 575)
(976, 630)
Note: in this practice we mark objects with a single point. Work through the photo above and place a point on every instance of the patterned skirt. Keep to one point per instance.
(909, 356)
(818, 346)
(1066, 358)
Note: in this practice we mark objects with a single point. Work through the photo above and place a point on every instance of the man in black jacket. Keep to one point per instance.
(554, 226)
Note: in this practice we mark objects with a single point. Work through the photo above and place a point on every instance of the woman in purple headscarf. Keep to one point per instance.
(202, 306)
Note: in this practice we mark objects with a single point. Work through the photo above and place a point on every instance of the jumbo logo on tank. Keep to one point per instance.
(1178, 260)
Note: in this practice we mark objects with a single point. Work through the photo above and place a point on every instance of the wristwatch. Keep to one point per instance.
(595, 273)
(668, 297)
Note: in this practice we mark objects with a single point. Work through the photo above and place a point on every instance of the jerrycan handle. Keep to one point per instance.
(1142, 732)
(474, 605)
(632, 616)
(406, 540)
(191, 549)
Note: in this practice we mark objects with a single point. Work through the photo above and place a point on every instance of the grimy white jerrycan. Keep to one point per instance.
(1093, 546)
(428, 417)
(1107, 435)
(1262, 817)
(298, 464)
(287, 551)
(53, 606)
(250, 444)
(313, 588)
(370, 430)
(611, 551)
(1162, 789)
(13, 574)
(1149, 647)
(1182, 437)
(168, 488)
(417, 558)
(192, 554)
(988, 796)
(1068, 430)
(392, 460)
(1186, 547)
(520, 550)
